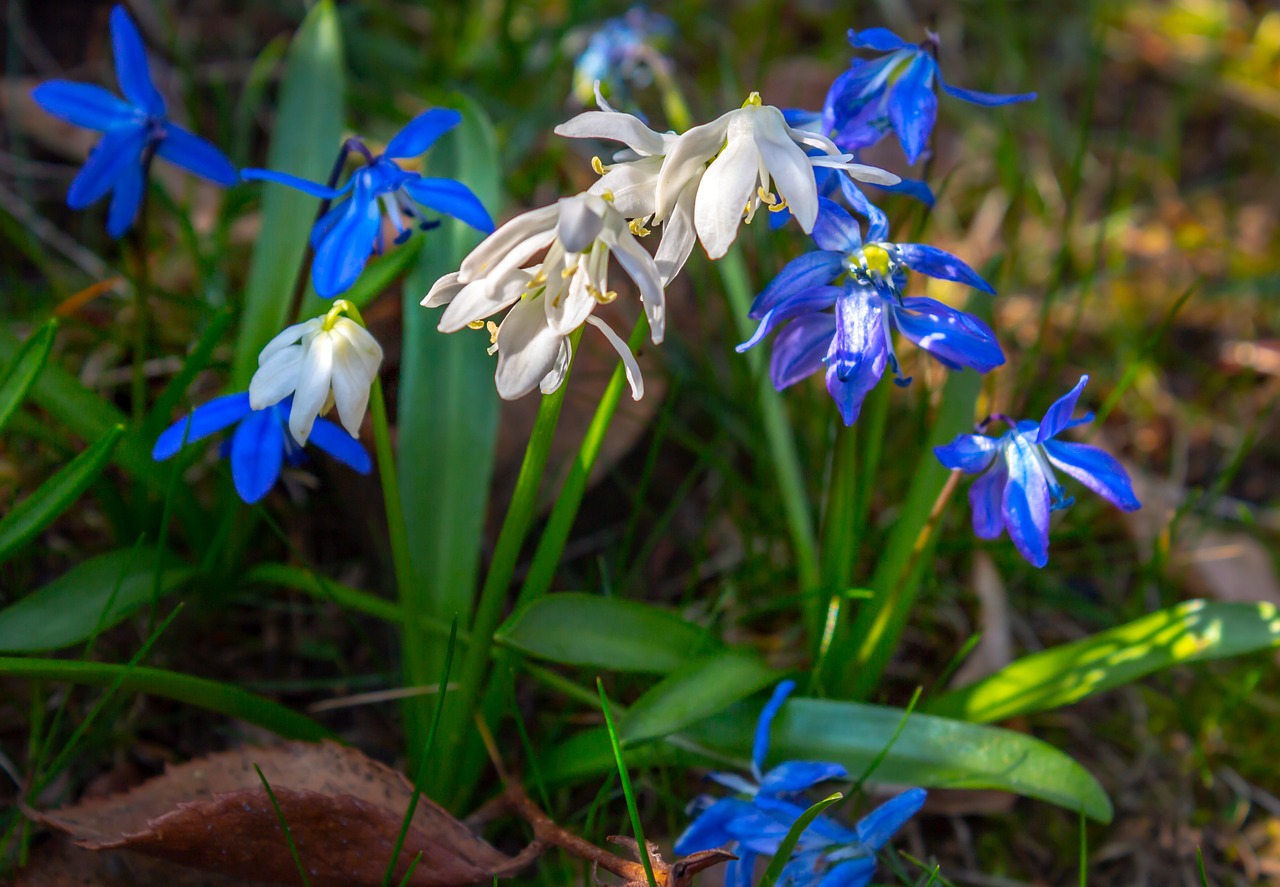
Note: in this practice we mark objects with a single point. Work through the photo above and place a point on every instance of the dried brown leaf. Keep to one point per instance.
(60, 863)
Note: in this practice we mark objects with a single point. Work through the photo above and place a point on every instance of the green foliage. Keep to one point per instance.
(23, 368)
(788, 844)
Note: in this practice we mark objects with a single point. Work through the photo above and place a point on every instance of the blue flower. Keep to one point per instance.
(895, 92)
(345, 236)
(828, 854)
(1019, 488)
(261, 444)
(863, 283)
(831, 182)
(134, 132)
(622, 52)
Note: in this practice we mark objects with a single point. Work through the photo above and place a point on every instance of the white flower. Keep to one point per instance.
(323, 362)
(748, 149)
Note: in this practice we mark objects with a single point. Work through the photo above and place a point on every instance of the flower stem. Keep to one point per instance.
(412, 632)
(141, 311)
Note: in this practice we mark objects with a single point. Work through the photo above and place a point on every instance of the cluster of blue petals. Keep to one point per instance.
(346, 235)
(841, 302)
(755, 822)
(620, 53)
(133, 132)
(1019, 489)
(261, 444)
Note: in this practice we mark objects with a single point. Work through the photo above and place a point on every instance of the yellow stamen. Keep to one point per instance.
(493, 332)
(607, 195)
(753, 99)
(597, 165)
(876, 259)
(778, 207)
(638, 229)
(476, 324)
(569, 272)
(766, 197)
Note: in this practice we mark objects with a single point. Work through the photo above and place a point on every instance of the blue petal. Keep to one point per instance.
(334, 440)
(970, 453)
(879, 39)
(835, 229)
(421, 132)
(192, 153)
(83, 104)
(204, 420)
(119, 148)
(913, 107)
(1058, 417)
(800, 349)
(304, 185)
(1096, 469)
(801, 273)
(131, 64)
(760, 744)
(708, 831)
(850, 873)
(452, 199)
(796, 776)
(877, 221)
(941, 264)
(986, 499)
(913, 188)
(878, 826)
(345, 250)
(986, 99)
(956, 338)
(741, 871)
(810, 301)
(126, 197)
(857, 356)
(761, 830)
(798, 118)
(326, 223)
(257, 454)
(1026, 502)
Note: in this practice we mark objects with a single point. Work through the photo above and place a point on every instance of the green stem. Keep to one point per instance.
(142, 313)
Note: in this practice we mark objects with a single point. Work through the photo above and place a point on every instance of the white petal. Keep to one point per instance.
(723, 193)
(289, 336)
(527, 350)
(860, 171)
(554, 379)
(443, 291)
(363, 346)
(566, 310)
(351, 381)
(637, 262)
(581, 219)
(629, 363)
(512, 237)
(615, 126)
(686, 158)
(813, 140)
(314, 378)
(788, 165)
(483, 298)
(678, 235)
(275, 379)
(634, 187)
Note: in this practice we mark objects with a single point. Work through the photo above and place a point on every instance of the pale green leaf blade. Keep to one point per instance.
(21, 370)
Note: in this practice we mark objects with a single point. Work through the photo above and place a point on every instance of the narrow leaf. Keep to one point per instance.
(788, 844)
(23, 368)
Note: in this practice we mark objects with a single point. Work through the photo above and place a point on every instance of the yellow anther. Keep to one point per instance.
(607, 195)
(778, 207)
(753, 99)
(637, 228)
(569, 272)
(606, 297)
(476, 324)
(493, 332)
(766, 197)
(876, 259)
(597, 165)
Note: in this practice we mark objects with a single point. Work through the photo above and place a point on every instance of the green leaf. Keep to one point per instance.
(695, 691)
(788, 844)
(209, 695)
(930, 751)
(305, 140)
(23, 368)
(382, 271)
(71, 608)
(162, 410)
(1193, 631)
(604, 632)
(55, 495)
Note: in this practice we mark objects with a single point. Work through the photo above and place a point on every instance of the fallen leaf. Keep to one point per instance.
(60, 863)
(344, 813)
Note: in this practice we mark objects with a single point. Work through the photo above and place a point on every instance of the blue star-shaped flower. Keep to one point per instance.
(893, 92)
(1020, 489)
(134, 132)
(864, 283)
(347, 234)
(828, 854)
(261, 444)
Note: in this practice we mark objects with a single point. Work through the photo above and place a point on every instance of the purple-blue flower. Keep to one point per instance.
(895, 92)
(828, 853)
(622, 52)
(346, 235)
(863, 283)
(1019, 488)
(134, 132)
(261, 443)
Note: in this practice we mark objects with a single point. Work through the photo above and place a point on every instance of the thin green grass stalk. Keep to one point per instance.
(493, 594)
(1204, 877)
(1084, 851)
(953, 664)
(884, 752)
(408, 873)
(788, 844)
(141, 306)
(781, 442)
(288, 835)
(422, 761)
(627, 791)
(839, 545)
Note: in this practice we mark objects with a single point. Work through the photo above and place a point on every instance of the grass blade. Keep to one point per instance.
(788, 844)
(627, 791)
(23, 368)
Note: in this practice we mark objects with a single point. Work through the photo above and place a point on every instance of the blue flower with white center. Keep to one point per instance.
(261, 443)
(894, 92)
(1019, 488)
(346, 235)
(828, 854)
(134, 132)
(863, 283)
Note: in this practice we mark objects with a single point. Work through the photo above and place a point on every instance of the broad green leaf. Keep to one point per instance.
(930, 751)
(604, 632)
(72, 607)
(23, 368)
(198, 692)
(447, 419)
(1193, 631)
(55, 495)
(305, 140)
(695, 691)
